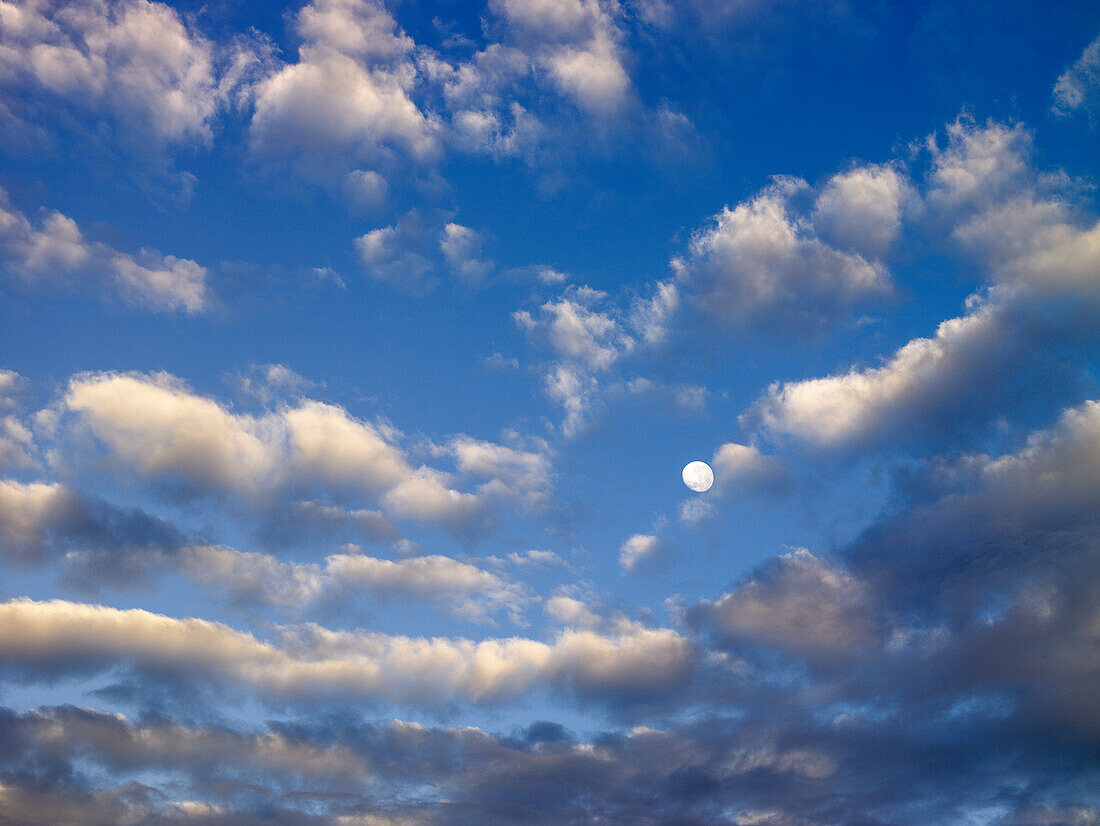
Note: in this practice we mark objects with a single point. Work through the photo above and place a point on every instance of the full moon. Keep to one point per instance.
(698, 476)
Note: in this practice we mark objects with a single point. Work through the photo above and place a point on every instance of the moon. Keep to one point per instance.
(698, 476)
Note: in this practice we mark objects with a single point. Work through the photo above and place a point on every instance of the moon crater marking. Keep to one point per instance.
(698, 476)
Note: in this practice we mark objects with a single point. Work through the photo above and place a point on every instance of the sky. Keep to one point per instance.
(350, 354)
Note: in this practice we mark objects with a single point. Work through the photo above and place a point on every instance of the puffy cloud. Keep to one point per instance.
(928, 385)
(463, 589)
(639, 550)
(1078, 87)
(744, 469)
(412, 252)
(461, 247)
(347, 101)
(17, 448)
(861, 209)
(797, 602)
(157, 427)
(118, 743)
(512, 472)
(56, 252)
(579, 332)
(979, 165)
(757, 263)
(312, 663)
(587, 340)
(1009, 350)
(135, 60)
(399, 254)
(575, 43)
(98, 543)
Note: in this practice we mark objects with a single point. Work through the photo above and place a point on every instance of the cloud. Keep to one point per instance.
(462, 589)
(414, 251)
(98, 544)
(756, 263)
(156, 427)
(860, 210)
(1007, 355)
(586, 339)
(743, 469)
(399, 254)
(267, 382)
(135, 61)
(513, 473)
(577, 331)
(576, 44)
(461, 248)
(347, 101)
(800, 603)
(41, 639)
(1078, 87)
(55, 253)
(639, 550)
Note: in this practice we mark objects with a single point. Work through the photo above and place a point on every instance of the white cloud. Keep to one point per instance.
(513, 472)
(639, 550)
(800, 603)
(366, 188)
(461, 247)
(135, 60)
(576, 44)
(347, 99)
(311, 662)
(157, 427)
(1035, 250)
(27, 512)
(652, 317)
(880, 404)
(267, 382)
(1078, 87)
(55, 252)
(397, 253)
(743, 469)
(978, 166)
(570, 611)
(462, 589)
(577, 331)
(861, 209)
(586, 340)
(757, 263)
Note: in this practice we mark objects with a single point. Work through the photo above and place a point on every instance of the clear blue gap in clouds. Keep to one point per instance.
(350, 352)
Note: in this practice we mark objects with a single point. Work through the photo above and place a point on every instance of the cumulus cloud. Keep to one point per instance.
(1078, 87)
(511, 471)
(135, 61)
(760, 262)
(461, 248)
(17, 448)
(347, 100)
(639, 550)
(96, 543)
(1008, 351)
(399, 254)
(576, 44)
(588, 336)
(860, 210)
(461, 588)
(53, 252)
(797, 602)
(158, 428)
(741, 469)
(311, 662)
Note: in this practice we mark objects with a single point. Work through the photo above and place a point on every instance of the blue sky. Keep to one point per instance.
(351, 352)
